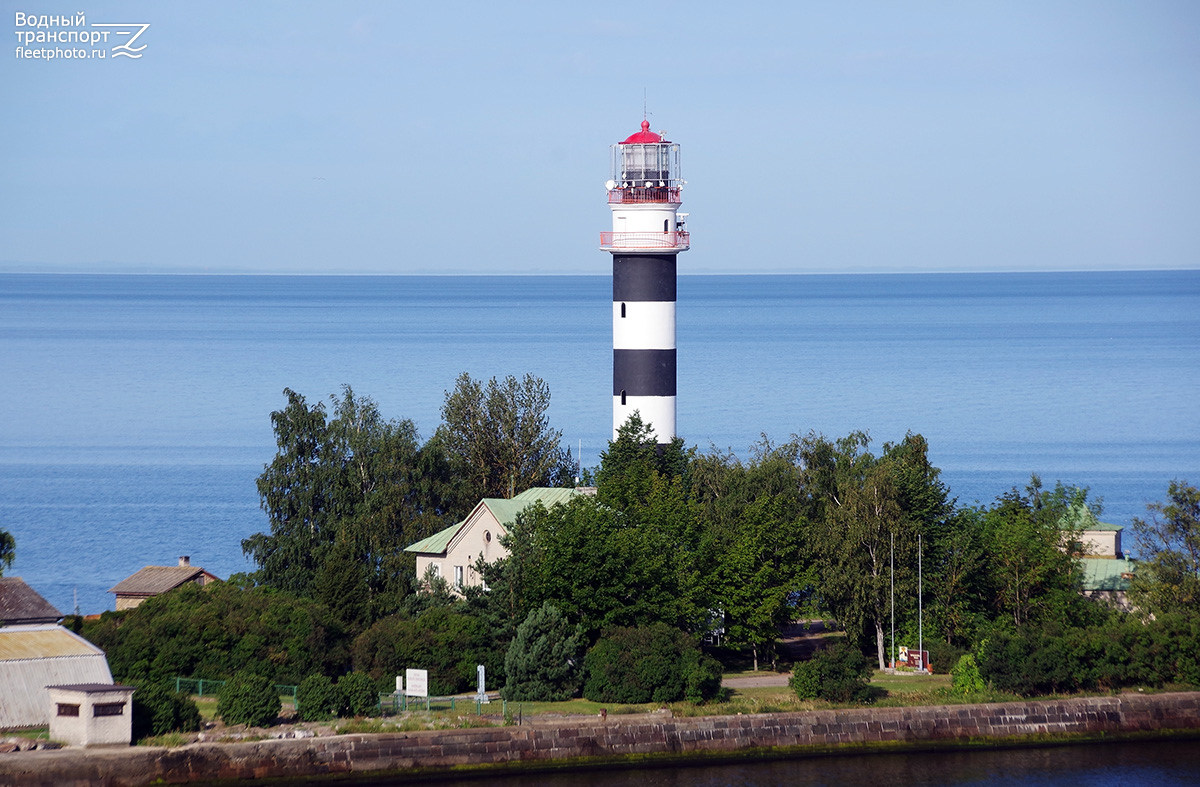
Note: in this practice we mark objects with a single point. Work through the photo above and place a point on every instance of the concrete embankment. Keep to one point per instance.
(592, 743)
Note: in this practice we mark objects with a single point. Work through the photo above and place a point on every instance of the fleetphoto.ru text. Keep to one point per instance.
(71, 37)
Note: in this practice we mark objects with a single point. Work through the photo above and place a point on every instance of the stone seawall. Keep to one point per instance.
(593, 743)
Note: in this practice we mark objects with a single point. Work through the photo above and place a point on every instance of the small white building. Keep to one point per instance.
(91, 714)
(452, 552)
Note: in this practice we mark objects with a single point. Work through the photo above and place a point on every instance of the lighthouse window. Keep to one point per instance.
(622, 311)
(665, 224)
(622, 396)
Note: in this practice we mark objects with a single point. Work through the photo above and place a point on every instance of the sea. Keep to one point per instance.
(137, 407)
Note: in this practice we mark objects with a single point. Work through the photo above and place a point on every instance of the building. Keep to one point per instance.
(648, 232)
(452, 553)
(91, 714)
(155, 580)
(36, 652)
(1106, 570)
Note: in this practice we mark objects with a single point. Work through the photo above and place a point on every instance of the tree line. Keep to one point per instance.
(610, 594)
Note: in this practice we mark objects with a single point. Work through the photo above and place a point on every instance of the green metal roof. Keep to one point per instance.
(504, 510)
(1100, 573)
(1079, 517)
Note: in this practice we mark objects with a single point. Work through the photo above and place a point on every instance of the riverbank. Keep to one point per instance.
(616, 742)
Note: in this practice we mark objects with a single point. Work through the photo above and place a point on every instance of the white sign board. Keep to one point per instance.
(417, 681)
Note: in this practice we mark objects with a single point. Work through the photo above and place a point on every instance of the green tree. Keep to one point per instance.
(839, 673)
(357, 694)
(654, 663)
(498, 436)
(317, 699)
(1168, 577)
(157, 710)
(862, 506)
(249, 698)
(344, 496)
(544, 659)
(630, 464)
(1032, 575)
(447, 643)
(216, 631)
(8, 550)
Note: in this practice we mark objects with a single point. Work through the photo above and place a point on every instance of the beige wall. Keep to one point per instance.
(480, 536)
(86, 728)
(1101, 543)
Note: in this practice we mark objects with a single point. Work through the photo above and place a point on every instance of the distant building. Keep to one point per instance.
(155, 580)
(1106, 570)
(452, 552)
(36, 652)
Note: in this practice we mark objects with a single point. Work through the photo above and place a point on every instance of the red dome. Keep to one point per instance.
(643, 136)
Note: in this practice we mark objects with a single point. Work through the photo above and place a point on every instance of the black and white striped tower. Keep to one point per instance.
(648, 232)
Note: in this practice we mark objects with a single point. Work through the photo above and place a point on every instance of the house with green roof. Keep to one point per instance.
(1106, 571)
(452, 552)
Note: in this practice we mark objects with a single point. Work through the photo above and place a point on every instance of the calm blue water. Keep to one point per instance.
(138, 406)
(1142, 764)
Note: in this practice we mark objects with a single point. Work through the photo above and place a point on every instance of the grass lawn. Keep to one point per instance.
(909, 683)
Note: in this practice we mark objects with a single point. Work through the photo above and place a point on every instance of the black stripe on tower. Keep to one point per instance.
(644, 277)
(644, 372)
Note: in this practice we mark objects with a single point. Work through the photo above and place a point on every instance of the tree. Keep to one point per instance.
(544, 659)
(317, 699)
(357, 694)
(861, 506)
(8, 550)
(1168, 578)
(157, 710)
(218, 630)
(498, 436)
(344, 497)
(654, 663)
(249, 698)
(631, 462)
(1031, 575)
(839, 673)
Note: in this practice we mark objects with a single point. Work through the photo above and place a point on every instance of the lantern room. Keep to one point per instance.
(642, 165)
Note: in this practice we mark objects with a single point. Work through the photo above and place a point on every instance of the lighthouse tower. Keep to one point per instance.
(648, 232)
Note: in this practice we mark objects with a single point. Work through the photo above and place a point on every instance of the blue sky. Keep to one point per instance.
(395, 138)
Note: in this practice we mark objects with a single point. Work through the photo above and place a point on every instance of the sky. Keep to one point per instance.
(473, 138)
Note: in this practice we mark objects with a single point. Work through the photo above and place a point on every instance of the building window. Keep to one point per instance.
(437, 569)
(622, 396)
(665, 225)
(487, 536)
(458, 576)
(67, 710)
(622, 311)
(108, 709)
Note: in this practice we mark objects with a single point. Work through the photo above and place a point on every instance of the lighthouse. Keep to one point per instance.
(648, 232)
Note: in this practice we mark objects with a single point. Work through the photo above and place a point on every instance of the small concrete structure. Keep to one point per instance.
(91, 714)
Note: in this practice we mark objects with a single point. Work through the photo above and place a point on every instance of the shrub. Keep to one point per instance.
(943, 657)
(543, 660)
(218, 630)
(157, 710)
(317, 699)
(965, 677)
(357, 694)
(840, 673)
(448, 644)
(654, 663)
(249, 699)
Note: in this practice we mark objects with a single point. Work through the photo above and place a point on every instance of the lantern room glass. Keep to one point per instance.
(645, 164)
